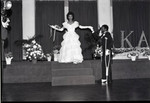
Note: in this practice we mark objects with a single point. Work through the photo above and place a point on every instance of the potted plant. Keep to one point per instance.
(56, 52)
(49, 56)
(8, 58)
(56, 55)
(132, 55)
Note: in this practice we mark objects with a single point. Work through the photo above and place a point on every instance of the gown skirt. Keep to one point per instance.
(70, 50)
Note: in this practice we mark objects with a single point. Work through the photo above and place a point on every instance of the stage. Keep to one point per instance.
(27, 72)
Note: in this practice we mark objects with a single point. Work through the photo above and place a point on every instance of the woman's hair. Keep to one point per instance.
(70, 13)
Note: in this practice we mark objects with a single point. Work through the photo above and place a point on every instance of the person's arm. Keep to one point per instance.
(56, 27)
(87, 27)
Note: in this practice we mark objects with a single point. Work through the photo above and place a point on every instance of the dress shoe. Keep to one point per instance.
(104, 81)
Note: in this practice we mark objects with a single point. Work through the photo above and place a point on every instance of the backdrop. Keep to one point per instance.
(16, 30)
(86, 14)
(52, 12)
(48, 12)
(131, 15)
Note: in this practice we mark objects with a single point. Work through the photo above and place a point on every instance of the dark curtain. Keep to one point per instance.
(86, 14)
(15, 32)
(48, 12)
(131, 15)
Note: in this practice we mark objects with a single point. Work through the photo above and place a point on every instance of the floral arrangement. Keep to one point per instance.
(56, 49)
(9, 55)
(121, 50)
(33, 51)
(56, 52)
(133, 54)
(49, 54)
(8, 58)
(146, 52)
(97, 51)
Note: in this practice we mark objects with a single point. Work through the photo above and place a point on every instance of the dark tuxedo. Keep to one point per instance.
(4, 43)
(106, 42)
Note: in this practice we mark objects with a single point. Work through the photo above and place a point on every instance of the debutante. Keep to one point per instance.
(70, 50)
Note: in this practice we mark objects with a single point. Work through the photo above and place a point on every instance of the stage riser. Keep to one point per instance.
(86, 64)
(72, 72)
(27, 79)
(73, 80)
(132, 70)
(26, 72)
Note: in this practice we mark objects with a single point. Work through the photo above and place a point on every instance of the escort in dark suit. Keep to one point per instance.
(105, 40)
(4, 38)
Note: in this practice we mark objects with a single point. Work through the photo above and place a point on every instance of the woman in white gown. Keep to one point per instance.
(70, 50)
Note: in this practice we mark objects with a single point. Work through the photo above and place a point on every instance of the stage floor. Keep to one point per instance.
(27, 72)
(120, 90)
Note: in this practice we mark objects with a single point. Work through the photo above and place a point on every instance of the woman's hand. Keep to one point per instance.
(52, 26)
(91, 28)
(56, 27)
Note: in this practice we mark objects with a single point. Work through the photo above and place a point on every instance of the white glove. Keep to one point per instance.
(55, 26)
(52, 26)
(91, 28)
(107, 51)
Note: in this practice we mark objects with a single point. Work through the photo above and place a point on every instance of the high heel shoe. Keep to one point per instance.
(75, 62)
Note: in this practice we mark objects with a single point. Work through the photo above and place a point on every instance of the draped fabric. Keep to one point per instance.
(85, 13)
(131, 15)
(48, 12)
(16, 30)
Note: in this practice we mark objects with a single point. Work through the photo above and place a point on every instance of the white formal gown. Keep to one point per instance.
(70, 50)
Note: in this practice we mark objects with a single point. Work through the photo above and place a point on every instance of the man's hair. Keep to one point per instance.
(70, 13)
(106, 27)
